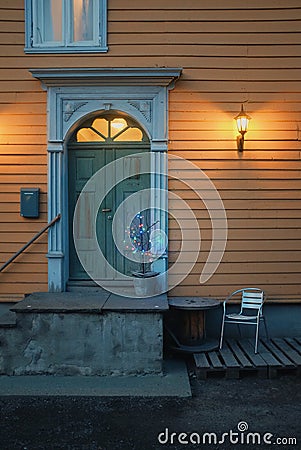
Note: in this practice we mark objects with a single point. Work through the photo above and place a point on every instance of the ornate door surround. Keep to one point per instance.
(74, 94)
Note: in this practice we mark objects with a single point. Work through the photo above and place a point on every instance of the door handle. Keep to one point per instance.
(106, 210)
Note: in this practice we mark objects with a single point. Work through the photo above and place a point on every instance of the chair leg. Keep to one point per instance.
(256, 338)
(222, 332)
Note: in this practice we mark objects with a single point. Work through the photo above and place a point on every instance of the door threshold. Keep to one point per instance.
(91, 286)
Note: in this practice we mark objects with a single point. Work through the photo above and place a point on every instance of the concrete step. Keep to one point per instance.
(8, 320)
(83, 334)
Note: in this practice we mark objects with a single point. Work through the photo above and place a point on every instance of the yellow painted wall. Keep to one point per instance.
(231, 52)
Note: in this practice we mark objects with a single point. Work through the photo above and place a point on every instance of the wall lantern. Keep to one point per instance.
(242, 121)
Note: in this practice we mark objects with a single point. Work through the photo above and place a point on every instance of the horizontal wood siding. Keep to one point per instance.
(231, 52)
(23, 161)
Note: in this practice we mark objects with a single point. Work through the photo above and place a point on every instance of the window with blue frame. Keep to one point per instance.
(66, 26)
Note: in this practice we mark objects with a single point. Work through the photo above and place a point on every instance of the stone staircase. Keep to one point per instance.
(82, 333)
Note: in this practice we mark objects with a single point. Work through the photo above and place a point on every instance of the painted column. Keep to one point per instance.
(159, 183)
(55, 255)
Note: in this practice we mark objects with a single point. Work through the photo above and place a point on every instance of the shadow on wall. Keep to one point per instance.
(282, 321)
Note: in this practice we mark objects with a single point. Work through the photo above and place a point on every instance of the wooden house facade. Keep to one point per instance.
(180, 71)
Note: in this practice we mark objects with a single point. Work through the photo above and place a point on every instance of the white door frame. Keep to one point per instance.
(73, 94)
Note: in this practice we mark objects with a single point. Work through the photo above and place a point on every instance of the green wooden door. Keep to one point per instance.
(84, 161)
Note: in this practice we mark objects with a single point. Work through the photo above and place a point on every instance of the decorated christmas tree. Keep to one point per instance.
(140, 236)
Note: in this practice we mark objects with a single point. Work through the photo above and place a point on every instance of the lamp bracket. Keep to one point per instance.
(240, 142)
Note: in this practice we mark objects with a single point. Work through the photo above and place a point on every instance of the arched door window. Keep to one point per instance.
(110, 130)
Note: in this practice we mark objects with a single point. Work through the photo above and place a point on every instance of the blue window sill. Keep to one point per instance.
(59, 50)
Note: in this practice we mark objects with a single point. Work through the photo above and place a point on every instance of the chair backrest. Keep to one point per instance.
(252, 298)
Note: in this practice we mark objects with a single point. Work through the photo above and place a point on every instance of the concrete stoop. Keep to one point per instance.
(85, 334)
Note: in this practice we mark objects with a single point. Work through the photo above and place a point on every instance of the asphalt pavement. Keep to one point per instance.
(221, 414)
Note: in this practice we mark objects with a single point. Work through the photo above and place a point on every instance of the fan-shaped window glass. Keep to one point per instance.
(114, 129)
(101, 126)
(131, 134)
(88, 135)
(117, 126)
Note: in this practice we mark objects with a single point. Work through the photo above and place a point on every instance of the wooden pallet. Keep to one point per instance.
(237, 359)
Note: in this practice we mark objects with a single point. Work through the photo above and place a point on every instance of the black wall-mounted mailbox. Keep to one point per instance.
(29, 202)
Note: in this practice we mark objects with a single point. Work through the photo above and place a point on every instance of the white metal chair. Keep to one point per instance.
(250, 313)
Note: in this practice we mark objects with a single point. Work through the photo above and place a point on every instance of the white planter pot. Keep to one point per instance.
(146, 285)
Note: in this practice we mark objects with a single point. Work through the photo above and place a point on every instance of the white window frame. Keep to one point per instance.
(98, 44)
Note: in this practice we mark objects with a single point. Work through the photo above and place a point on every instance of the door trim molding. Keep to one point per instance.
(72, 96)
